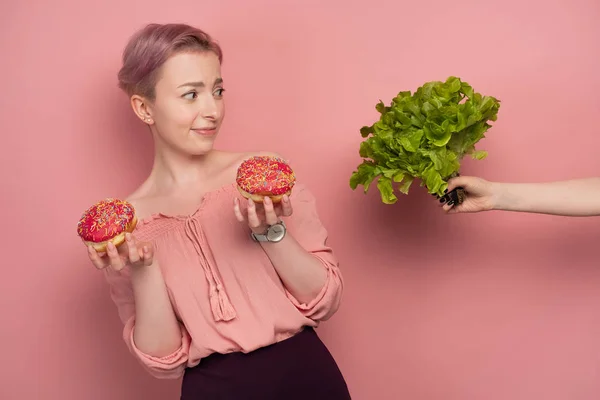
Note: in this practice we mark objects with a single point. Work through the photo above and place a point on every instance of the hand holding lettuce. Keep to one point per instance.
(423, 136)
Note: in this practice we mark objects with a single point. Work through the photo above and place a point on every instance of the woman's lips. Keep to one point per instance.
(205, 131)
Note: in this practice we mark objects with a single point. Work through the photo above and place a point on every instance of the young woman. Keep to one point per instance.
(198, 296)
(577, 197)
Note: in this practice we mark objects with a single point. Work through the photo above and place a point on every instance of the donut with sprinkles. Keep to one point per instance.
(106, 221)
(265, 176)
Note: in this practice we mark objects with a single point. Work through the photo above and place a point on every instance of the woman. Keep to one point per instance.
(577, 197)
(199, 298)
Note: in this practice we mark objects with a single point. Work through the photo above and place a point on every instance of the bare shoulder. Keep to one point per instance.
(269, 154)
(246, 155)
(140, 200)
(232, 160)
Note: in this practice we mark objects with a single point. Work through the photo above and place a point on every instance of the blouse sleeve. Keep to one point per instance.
(171, 366)
(306, 227)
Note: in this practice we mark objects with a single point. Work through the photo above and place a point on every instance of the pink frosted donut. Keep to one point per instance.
(265, 176)
(106, 221)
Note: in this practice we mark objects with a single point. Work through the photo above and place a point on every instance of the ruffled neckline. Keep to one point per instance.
(182, 217)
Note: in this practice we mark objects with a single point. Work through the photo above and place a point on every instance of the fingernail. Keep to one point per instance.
(446, 191)
(286, 198)
(146, 249)
(451, 203)
(442, 200)
(128, 237)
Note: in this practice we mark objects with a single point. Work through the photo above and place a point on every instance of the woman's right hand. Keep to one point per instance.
(480, 195)
(131, 252)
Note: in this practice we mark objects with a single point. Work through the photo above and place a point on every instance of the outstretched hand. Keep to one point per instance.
(131, 252)
(479, 195)
(260, 216)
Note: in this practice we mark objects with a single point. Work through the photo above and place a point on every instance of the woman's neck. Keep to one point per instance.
(173, 170)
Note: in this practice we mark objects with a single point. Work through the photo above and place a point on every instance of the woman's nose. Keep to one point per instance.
(209, 108)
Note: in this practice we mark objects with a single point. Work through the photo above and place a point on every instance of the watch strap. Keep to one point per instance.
(263, 237)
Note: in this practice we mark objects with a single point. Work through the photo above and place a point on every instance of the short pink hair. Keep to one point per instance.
(150, 47)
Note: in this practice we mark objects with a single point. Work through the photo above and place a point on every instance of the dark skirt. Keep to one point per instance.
(297, 368)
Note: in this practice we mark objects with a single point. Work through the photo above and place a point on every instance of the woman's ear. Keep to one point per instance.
(141, 107)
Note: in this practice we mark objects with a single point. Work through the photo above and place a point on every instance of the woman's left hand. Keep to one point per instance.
(261, 216)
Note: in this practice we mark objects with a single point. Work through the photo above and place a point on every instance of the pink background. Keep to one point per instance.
(489, 306)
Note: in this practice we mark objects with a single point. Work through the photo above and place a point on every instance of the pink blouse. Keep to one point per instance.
(223, 288)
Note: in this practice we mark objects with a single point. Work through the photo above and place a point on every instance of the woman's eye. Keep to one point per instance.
(190, 95)
(219, 92)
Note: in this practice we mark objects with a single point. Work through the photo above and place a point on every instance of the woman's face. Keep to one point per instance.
(188, 107)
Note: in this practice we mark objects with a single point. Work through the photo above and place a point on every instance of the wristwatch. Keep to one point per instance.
(275, 233)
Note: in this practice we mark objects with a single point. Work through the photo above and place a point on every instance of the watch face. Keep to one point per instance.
(276, 232)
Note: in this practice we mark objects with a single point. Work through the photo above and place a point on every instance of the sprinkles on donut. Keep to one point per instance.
(106, 221)
(265, 176)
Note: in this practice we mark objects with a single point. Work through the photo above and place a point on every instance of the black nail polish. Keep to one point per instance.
(442, 200)
(451, 203)
(446, 191)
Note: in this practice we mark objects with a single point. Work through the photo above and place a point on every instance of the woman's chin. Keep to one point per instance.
(200, 148)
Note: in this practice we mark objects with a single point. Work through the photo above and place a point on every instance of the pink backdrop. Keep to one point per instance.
(491, 306)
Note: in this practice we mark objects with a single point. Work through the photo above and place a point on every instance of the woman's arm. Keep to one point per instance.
(152, 331)
(157, 331)
(577, 197)
(306, 265)
(302, 274)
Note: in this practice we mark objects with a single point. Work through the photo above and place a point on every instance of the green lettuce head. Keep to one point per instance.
(424, 135)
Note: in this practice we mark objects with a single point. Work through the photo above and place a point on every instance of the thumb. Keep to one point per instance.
(459, 181)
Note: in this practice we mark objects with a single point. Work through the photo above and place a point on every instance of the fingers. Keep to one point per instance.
(441, 200)
(139, 253)
(147, 254)
(286, 206)
(447, 202)
(259, 215)
(237, 210)
(448, 207)
(115, 260)
(134, 253)
(131, 253)
(96, 259)
(253, 219)
(241, 210)
(132, 250)
(270, 214)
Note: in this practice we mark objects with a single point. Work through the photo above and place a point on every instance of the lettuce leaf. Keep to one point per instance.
(423, 136)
